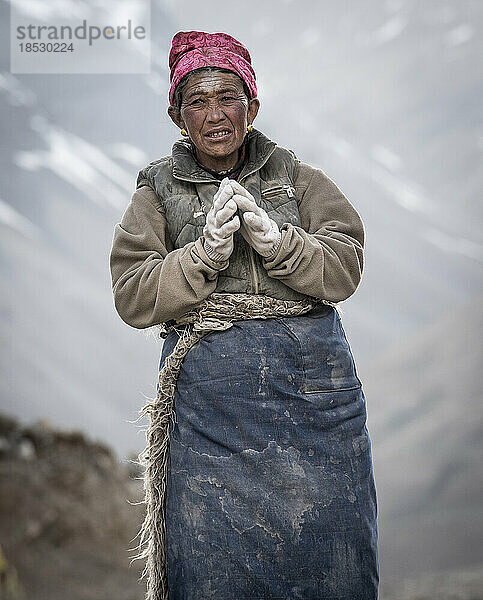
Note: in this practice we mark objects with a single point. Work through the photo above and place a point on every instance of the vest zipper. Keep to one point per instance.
(253, 269)
(277, 190)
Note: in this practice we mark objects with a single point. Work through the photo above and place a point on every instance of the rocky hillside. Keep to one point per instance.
(65, 521)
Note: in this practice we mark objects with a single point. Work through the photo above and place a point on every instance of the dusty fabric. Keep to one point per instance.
(158, 276)
(192, 50)
(270, 493)
(216, 313)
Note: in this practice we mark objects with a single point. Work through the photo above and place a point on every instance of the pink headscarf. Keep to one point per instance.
(191, 50)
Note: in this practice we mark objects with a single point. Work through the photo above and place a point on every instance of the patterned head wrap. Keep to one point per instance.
(192, 50)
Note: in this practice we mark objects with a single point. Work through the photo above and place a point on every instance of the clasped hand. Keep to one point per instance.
(258, 229)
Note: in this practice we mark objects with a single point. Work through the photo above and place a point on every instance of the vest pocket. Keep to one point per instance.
(326, 357)
(278, 190)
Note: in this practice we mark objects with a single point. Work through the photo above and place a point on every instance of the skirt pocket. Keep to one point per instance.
(325, 354)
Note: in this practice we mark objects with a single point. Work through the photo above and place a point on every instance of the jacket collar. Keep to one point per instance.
(185, 167)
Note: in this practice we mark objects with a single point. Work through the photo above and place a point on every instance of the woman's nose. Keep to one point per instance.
(214, 112)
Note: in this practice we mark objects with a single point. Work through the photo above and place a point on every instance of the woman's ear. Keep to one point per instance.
(175, 116)
(253, 109)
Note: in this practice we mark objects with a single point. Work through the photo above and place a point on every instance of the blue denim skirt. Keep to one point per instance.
(270, 488)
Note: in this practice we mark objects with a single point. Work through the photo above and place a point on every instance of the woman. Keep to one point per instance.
(242, 253)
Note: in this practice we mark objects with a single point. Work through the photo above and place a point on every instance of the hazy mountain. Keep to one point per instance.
(385, 97)
(455, 584)
(424, 405)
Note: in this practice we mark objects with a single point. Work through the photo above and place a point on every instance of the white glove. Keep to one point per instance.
(258, 229)
(220, 226)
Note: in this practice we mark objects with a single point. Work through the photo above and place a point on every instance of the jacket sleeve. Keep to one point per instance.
(324, 258)
(152, 282)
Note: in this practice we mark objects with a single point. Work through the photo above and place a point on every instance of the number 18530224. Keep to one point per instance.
(46, 47)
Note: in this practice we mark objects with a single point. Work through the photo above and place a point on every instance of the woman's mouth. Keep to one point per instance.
(218, 135)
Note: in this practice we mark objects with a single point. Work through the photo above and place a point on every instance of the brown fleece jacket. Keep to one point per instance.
(153, 283)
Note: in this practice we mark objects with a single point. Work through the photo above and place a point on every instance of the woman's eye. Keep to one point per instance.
(228, 98)
(195, 101)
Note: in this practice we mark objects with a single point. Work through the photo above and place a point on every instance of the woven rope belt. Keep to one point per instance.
(217, 312)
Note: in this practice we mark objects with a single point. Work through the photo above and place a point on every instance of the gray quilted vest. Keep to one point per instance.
(268, 174)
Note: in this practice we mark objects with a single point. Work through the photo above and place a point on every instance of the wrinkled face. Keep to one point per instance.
(215, 112)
